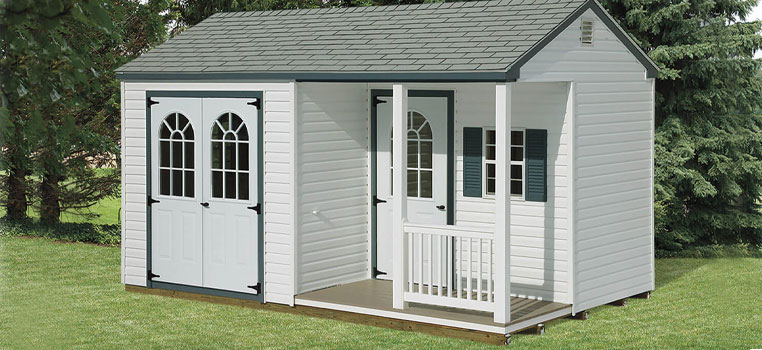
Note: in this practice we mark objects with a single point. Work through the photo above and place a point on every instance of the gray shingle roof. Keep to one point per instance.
(435, 37)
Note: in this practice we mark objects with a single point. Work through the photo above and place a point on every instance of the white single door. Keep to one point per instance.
(230, 245)
(175, 150)
(426, 170)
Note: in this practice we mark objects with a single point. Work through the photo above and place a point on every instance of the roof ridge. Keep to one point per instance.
(420, 6)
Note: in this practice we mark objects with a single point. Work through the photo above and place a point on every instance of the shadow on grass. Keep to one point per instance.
(69, 232)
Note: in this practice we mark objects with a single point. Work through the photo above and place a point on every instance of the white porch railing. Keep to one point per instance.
(449, 266)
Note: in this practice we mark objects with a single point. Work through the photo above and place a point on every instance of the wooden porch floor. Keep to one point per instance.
(374, 297)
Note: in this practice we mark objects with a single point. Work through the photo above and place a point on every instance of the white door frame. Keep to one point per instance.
(258, 102)
(450, 206)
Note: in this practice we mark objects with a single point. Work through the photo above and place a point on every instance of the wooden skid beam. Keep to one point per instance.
(377, 321)
(644, 295)
(620, 302)
(582, 315)
(538, 329)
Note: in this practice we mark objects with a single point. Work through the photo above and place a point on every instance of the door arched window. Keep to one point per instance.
(176, 157)
(230, 158)
(420, 149)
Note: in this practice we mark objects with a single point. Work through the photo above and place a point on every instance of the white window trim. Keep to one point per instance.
(522, 163)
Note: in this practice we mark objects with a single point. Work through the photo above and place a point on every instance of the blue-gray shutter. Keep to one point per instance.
(472, 162)
(536, 189)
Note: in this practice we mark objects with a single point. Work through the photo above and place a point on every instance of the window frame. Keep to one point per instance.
(486, 162)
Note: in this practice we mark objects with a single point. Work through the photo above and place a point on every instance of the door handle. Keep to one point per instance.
(205, 204)
(257, 208)
(441, 207)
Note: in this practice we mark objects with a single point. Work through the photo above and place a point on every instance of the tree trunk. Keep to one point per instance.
(16, 205)
(50, 208)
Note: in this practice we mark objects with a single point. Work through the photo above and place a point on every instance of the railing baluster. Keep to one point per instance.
(431, 264)
(449, 271)
(420, 263)
(479, 273)
(490, 296)
(440, 269)
(470, 268)
(459, 265)
(411, 262)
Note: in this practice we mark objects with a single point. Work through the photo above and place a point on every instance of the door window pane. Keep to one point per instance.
(176, 156)
(412, 183)
(426, 184)
(230, 152)
(420, 156)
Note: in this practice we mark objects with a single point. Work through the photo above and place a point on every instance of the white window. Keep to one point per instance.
(517, 162)
(586, 32)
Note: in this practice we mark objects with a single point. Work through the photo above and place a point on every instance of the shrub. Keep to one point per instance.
(71, 232)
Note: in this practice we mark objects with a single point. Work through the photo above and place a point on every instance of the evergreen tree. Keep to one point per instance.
(708, 142)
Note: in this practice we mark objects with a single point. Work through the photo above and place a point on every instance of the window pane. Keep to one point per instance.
(412, 183)
(490, 137)
(491, 152)
(177, 135)
(182, 122)
(172, 121)
(418, 120)
(217, 133)
(177, 182)
(516, 172)
(491, 170)
(412, 154)
(426, 154)
(177, 154)
(224, 121)
(189, 155)
(230, 180)
(426, 184)
(243, 134)
(189, 133)
(243, 156)
(243, 186)
(230, 136)
(517, 154)
(189, 184)
(164, 154)
(164, 182)
(391, 182)
(425, 132)
(164, 134)
(516, 187)
(217, 184)
(236, 122)
(517, 138)
(230, 155)
(216, 155)
(490, 186)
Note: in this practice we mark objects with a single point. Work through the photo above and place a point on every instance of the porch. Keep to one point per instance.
(374, 297)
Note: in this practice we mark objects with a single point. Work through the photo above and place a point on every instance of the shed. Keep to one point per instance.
(263, 160)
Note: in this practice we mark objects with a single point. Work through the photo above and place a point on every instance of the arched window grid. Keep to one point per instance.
(230, 157)
(176, 156)
(420, 146)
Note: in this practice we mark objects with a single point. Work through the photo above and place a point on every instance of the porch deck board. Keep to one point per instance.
(377, 295)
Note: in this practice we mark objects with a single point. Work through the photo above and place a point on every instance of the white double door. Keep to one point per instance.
(426, 170)
(205, 225)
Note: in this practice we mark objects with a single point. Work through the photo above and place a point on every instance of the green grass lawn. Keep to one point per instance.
(68, 295)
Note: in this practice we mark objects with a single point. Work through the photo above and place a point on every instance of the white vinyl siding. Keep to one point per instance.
(539, 254)
(278, 148)
(332, 182)
(613, 148)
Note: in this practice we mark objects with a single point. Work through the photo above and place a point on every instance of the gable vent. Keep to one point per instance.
(586, 28)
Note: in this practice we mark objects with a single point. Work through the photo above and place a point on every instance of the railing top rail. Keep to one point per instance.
(451, 230)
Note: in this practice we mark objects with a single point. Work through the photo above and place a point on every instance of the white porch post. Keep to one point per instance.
(503, 203)
(399, 188)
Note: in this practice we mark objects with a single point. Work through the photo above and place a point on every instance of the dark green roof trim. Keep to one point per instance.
(652, 70)
(380, 77)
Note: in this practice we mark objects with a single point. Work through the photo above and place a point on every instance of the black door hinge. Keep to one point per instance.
(151, 201)
(377, 273)
(150, 102)
(376, 201)
(256, 103)
(377, 101)
(257, 208)
(151, 275)
(257, 287)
